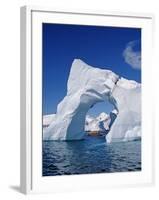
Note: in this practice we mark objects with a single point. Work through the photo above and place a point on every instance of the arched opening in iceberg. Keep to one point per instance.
(100, 118)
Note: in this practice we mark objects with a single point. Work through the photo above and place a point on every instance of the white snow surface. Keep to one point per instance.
(128, 84)
(47, 119)
(87, 86)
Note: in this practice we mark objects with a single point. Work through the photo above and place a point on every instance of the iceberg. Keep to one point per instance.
(47, 119)
(127, 124)
(87, 86)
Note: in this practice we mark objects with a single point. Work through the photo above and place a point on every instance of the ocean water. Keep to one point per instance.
(91, 155)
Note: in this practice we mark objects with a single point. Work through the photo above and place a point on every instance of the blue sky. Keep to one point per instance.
(113, 48)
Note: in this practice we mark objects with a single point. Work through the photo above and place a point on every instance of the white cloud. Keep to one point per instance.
(133, 58)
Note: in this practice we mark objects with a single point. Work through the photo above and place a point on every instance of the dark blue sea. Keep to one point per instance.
(91, 155)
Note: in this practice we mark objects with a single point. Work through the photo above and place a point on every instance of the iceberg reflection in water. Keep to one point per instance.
(91, 155)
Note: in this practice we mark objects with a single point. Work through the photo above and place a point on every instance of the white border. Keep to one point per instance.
(31, 120)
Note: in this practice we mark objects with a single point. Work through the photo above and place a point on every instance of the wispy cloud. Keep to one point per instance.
(132, 57)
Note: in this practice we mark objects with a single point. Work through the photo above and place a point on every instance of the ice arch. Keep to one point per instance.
(86, 86)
